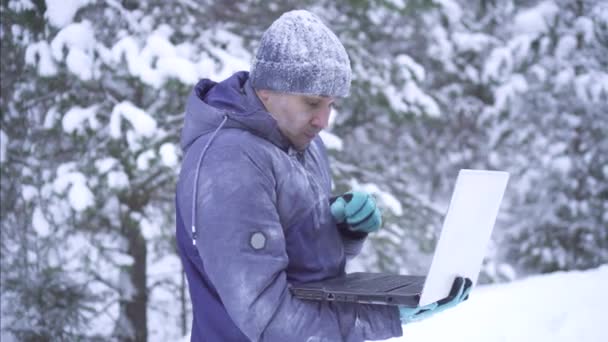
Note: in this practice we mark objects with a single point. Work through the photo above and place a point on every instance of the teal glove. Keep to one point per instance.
(459, 293)
(357, 209)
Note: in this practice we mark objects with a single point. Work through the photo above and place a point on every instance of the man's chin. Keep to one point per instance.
(302, 145)
(301, 148)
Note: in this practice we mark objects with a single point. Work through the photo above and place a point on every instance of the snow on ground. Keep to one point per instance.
(557, 307)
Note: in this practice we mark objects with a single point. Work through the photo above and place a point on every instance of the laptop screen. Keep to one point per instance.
(466, 231)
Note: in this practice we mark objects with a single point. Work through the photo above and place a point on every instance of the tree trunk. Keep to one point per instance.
(133, 318)
(136, 308)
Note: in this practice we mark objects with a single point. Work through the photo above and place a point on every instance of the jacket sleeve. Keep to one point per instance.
(242, 246)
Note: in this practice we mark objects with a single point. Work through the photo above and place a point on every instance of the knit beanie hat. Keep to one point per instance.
(299, 54)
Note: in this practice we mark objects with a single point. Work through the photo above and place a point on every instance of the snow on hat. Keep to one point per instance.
(299, 54)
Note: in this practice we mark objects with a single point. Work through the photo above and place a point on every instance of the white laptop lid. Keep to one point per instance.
(466, 231)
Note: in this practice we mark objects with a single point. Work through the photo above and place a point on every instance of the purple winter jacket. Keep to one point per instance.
(261, 221)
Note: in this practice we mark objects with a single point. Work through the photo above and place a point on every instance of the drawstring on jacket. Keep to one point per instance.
(198, 167)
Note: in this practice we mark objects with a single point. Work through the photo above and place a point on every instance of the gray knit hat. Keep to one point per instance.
(299, 54)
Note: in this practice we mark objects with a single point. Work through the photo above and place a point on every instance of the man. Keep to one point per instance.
(254, 212)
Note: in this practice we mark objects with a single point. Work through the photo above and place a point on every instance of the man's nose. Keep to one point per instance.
(321, 118)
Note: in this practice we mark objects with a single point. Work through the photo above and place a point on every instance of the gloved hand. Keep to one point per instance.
(458, 294)
(357, 209)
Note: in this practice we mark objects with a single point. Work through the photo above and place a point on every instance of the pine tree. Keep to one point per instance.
(566, 226)
(522, 89)
(41, 301)
(91, 129)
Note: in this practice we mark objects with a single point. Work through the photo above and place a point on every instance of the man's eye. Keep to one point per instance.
(313, 104)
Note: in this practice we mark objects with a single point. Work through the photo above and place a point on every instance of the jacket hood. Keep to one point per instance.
(210, 102)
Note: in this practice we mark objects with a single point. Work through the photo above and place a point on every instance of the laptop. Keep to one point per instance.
(460, 250)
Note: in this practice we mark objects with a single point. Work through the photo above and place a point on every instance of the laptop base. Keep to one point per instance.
(366, 288)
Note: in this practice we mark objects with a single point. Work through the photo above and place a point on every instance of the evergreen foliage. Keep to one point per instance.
(91, 111)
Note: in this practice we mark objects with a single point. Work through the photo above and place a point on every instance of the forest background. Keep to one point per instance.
(92, 101)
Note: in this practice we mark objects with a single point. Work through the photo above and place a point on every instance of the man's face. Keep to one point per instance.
(299, 117)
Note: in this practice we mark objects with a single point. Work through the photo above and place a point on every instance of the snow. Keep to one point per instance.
(144, 159)
(61, 12)
(79, 40)
(180, 68)
(391, 201)
(50, 118)
(104, 165)
(28, 192)
(3, 146)
(20, 6)
(164, 312)
(149, 228)
(143, 124)
(331, 141)
(559, 307)
(564, 78)
(562, 163)
(118, 180)
(229, 60)
(409, 98)
(133, 141)
(507, 91)
(168, 154)
(395, 99)
(128, 49)
(442, 47)
(451, 8)
(297, 38)
(80, 63)
(498, 271)
(584, 26)
(333, 114)
(397, 3)
(120, 259)
(168, 63)
(592, 87)
(376, 16)
(80, 196)
(519, 311)
(566, 45)
(498, 64)
(414, 95)
(477, 42)
(40, 224)
(39, 54)
(410, 68)
(519, 47)
(164, 266)
(536, 20)
(158, 60)
(74, 119)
